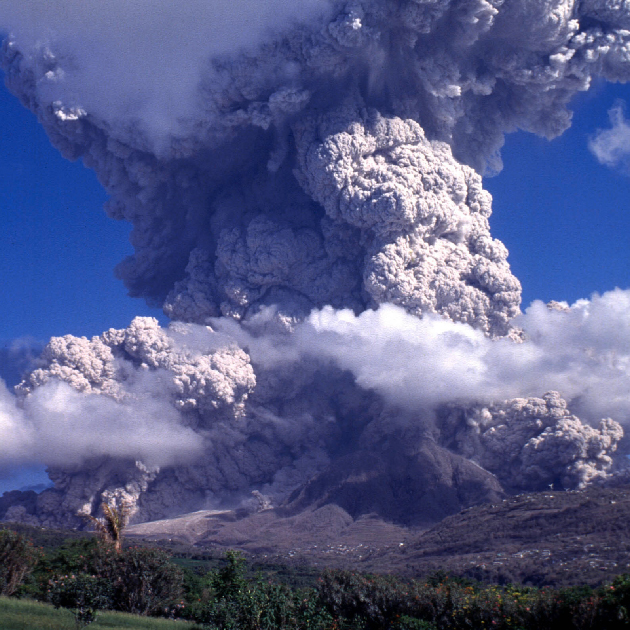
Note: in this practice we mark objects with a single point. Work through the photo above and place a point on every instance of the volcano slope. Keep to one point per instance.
(546, 538)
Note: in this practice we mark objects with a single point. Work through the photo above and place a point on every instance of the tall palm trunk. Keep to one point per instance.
(110, 527)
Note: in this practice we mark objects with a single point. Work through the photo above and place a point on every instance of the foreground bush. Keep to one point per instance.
(236, 603)
(17, 560)
(84, 595)
(88, 575)
(383, 602)
(141, 581)
(145, 582)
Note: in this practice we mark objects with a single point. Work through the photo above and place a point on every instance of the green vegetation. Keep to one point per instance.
(443, 603)
(17, 560)
(136, 580)
(84, 595)
(88, 578)
(232, 602)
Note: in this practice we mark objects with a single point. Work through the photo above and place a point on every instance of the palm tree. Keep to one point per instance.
(110, 527)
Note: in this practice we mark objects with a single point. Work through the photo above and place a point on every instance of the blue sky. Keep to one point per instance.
(58, 248)
(564, 217)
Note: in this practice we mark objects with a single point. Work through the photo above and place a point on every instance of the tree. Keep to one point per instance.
(17, 560)
(239, 603)
(110, 527)
(139, 580)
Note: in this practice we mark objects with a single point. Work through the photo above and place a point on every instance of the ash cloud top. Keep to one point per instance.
(257, 153)
(305, 179)
(140, 63)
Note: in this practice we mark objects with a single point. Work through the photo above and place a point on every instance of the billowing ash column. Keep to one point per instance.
(329, 158)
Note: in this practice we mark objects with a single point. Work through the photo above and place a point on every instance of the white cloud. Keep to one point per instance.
(611, 146)
(59, 426)
(584, 353)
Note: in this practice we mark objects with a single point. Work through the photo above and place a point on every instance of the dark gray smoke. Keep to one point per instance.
(320, 155)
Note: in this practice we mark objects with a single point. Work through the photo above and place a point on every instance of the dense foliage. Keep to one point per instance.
(143, 581)
(17, 560)
(233, 602)
(442, 603)
(88, 575)
(83, 594)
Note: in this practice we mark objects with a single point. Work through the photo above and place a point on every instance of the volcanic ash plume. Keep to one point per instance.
(303, 181)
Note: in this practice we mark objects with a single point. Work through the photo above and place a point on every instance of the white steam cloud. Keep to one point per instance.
(58, 426)
(583, 352)
(611, 146)
(303, 181)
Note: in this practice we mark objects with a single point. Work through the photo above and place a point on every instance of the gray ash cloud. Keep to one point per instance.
(323, 155)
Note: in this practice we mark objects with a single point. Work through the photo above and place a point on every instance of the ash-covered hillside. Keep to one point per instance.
(304, 185)
(546, 538)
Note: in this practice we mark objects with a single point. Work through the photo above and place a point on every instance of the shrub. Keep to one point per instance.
(230, 580)
(144, 582)
(17, 560)
(615, 604)
(83, 594)
(240, 604)
(371, 601)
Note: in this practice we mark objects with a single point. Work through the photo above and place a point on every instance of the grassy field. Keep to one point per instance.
(18, 614)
